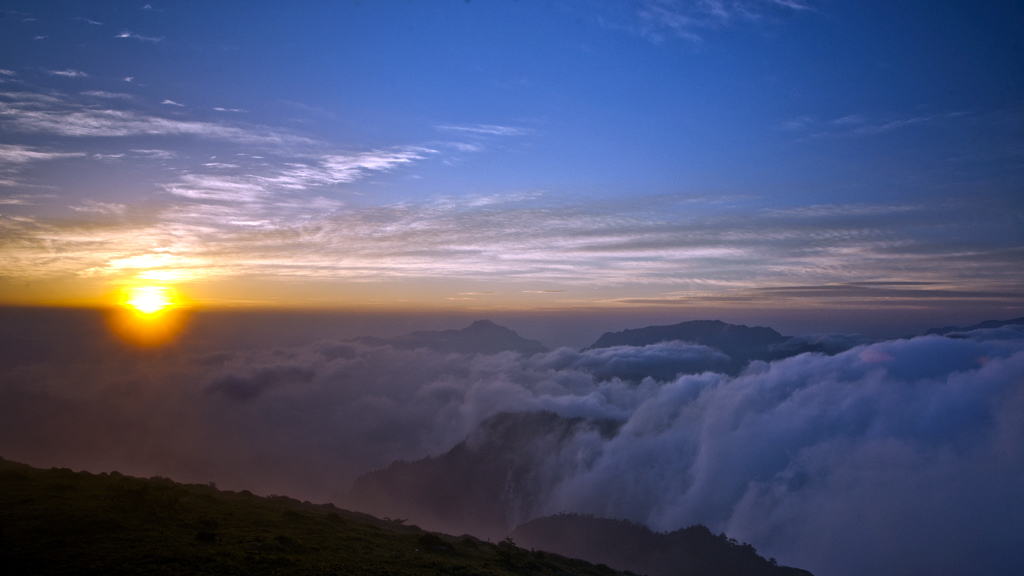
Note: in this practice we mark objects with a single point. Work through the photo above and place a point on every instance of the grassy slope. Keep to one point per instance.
(61, 522)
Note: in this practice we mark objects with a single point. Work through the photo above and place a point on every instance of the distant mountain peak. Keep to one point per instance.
(739, 342)
(988, 324)
(480, 337)
(697, 331)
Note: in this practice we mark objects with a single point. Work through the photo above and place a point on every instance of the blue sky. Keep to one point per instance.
(790, 154)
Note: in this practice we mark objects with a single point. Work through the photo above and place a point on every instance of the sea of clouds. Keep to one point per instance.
(896, 457)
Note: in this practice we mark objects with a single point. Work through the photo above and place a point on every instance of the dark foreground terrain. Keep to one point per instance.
(62, 522)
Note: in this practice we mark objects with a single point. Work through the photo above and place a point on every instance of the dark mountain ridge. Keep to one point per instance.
(480, 337)
(741, 343)
(987, 324)
(736, 340)
(692, 551)
(486, 483)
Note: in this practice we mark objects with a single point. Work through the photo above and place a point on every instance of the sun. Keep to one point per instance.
(149, 299)
(149, 315)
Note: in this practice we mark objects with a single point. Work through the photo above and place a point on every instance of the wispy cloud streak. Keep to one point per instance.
(689, 18)
(861, 125)
(13, 154)
(485, 130)
(67, 73)
(248, 225)
(51, 114)
(324, 170)
(133, 35)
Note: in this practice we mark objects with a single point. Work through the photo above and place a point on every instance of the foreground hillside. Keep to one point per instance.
(61, 522)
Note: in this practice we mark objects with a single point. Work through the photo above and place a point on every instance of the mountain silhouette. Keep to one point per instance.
(486, 484)
(480, 337)
(987, 324)
(741, 343)
(623, 545)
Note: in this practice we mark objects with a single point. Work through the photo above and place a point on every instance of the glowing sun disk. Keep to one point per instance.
(149, 299)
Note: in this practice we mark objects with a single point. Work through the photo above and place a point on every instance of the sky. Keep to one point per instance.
(818, 156)
(564, 168)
